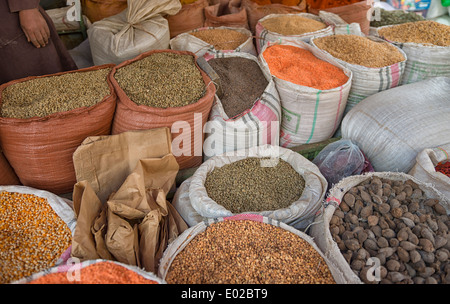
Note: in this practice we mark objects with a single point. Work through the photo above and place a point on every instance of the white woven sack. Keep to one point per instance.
(309, 115)
(424, 169)
(188, 42)
(72, 266)
(139, 28)
(320, 229)
(423, 61)
(393, 126)
(182, 204)
(299, 214)
(62, 207)
(368, 81)
(183, 240)
(256, 126)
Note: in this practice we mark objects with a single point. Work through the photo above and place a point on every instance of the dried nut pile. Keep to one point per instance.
(360, 50)
(98, 273)
(292, 25)
(47, 95)
(396, 223)
(395, 17)
(32, 235)
(248, 252)
(162, 80)
(426, 32)
(242, 83)
(252, 184)
(221, 39)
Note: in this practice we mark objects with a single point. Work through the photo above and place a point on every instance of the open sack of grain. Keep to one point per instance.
(37, 228)
(426, 44)
(222, 39)
(139, 28)
(45, 118)
(313, 90)
(165, 88)
(97, 271)
(216, 251)
(248, 112)
(267, 180)
(385, 227)
(393, 126)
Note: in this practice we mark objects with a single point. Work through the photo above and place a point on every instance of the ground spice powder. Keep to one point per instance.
(98, 273)
(301, 67)
(248, 252)
(360, 50)
(292, 25)
(221, 39)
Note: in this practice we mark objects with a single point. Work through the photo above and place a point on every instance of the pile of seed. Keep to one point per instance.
(242, 83)
(32, 235)
(221, 39)
(292, 25)
(360, 50)
(255, 184)
(395, 17)
(248, 252)
(162, 80)
(426, 32)
(47, 95)
(396, 223)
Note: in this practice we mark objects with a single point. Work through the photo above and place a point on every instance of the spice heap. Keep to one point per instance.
(242, 83)
(395, 222)
(47, 95)
(395, 17)
(360, 50)
(151, 81)
(426, 32)
(255, 184)
(444, 168)
(98, 273)
(238, 252)
(301, 67)
(292, 25)
(32, 235)
(221, 39)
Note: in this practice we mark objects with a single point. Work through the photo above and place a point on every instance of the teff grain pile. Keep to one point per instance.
(162, 80)
(248, 185)
(221, 39)
(292, 25)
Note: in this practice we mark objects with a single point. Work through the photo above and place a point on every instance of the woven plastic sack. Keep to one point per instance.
(190, 43)
(320, 229)
(183, 240)
(299, 214)
(188, 18)
(424, 168)
(226, 13)
(393, 126)
(139, 28)
(255, 126)
(309, 115)
(368, 81)
(96, 10)
(8, 176)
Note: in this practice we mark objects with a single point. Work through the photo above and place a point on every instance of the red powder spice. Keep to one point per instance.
(443, 168)
(301, 67)
(98, 273)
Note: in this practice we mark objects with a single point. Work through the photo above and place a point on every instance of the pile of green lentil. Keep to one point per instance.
(248, 252)
(292, 25)
(162, 80)
(249, 185)
(242, 83)
(221, 39)
(43, 96)
(395, 17)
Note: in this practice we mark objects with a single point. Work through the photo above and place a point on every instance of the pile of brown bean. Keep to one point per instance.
(47, 95)
(360, 50)
(426, 32)
(162, 80)
(248, 252)
(221, 39)
(249, 185)
(396, 223)
(292, 25)
(32, 235)
(242, 83)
